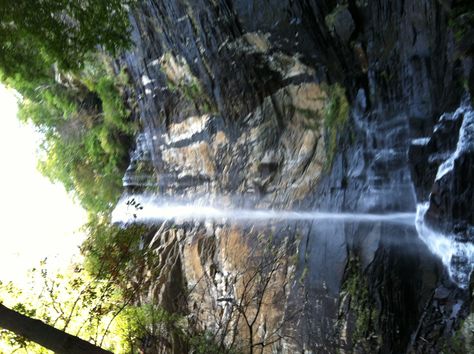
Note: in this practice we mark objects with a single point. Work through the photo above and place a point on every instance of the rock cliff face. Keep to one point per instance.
(300, 104)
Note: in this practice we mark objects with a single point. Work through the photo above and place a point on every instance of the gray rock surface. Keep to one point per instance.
(233, 98)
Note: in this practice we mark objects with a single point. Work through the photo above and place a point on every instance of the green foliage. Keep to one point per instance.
(181, 81)
(12, 341)
(462, 340)
(153, 327)
(100, 78)
(38, 33)
(55, 54)
(86, 133)
(96, 300)
(49, 55)
(150, 324)
(113, 251)
(205, 343)
(71, 301)
(192, 90)
(335, 117)
(303, 275)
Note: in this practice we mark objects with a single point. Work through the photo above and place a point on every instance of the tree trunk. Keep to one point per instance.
(250, 339)
(47, 336)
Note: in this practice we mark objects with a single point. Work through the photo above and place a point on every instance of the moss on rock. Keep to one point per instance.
(336, 114)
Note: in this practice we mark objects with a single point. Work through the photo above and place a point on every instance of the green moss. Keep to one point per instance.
(467, 330)
(181, 81)
(171, 86)
(303, 276)
(462, 341)
(356, 286)
(461, 18)
(336, 113)
(192, 90)
(330, 19)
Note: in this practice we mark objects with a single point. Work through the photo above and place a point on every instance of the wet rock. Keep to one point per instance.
(341, 23)
(426, 154)
(441, 293)
(232, 102)
(452, 192)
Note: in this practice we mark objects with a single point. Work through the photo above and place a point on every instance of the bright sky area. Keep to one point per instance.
(38, 218)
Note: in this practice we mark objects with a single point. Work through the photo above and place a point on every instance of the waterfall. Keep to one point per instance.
(140, 172)
(465, 142)
(147, 209)
(457, 256)
(455, 251)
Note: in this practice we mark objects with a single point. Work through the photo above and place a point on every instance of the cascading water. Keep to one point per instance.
(465, 142)
(457, 257)
(146, 209)
(455, 251)
(140, 171)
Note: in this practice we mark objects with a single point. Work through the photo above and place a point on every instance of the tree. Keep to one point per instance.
(38, 33)
(246, 317)
(48, 53)
(255, 289)
(54, 53)
(98, 301)
(45, 335)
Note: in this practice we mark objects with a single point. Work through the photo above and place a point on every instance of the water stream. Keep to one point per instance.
(457, 257)
(148, 210)
(456, 253)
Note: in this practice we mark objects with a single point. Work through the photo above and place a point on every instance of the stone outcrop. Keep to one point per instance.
(238, 106)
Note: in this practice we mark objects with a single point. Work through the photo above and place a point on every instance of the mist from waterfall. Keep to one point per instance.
(149, 210)
(457, 257)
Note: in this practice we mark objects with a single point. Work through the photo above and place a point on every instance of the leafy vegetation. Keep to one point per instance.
(101, 308)
(40, 33)
(56, 54)
(86, 133)
(114, 252)
(117, 255)
(50, 56)
(462, 340)
(71, 301)
(181, 81)
(82, 305)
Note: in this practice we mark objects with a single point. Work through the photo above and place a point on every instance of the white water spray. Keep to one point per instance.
(465, 141)
(457, 257)
(147, 210)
